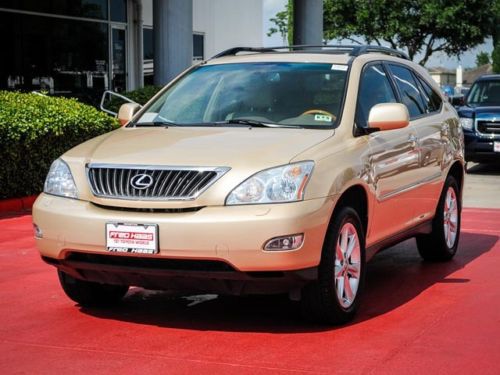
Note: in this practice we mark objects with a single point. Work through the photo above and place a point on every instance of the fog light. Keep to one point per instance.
(291, 242)
(38, 231)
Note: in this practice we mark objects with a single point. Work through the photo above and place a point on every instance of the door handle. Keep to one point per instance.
(444, 129)
(413, 139)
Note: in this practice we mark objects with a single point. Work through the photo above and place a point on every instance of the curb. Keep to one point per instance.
(17, 204)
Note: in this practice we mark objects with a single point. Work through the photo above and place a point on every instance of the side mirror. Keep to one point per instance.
(127, 111)
(458, 101)
(388, 116)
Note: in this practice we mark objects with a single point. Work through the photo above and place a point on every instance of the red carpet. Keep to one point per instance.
(416, 318)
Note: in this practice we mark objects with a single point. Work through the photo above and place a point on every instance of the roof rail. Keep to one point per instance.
(351, 50)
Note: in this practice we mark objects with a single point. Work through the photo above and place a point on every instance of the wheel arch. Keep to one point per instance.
(356, 197)
(457, 171)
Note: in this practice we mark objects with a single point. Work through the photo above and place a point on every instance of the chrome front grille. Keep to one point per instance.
(489, 127)
(139, 182)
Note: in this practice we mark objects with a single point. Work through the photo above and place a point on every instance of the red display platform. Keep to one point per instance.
(417, 318)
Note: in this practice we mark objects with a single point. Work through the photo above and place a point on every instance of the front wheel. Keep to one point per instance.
(89, 294)
(442, 243)
(334, 297)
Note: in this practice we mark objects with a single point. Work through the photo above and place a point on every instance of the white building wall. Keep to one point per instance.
(228, 23)
(225, 23)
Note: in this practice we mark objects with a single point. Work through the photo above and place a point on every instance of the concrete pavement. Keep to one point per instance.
(482, 186)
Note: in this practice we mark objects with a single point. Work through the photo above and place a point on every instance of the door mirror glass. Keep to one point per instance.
(127, 111)
(388, 116)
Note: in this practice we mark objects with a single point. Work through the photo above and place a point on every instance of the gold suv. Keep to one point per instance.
(260, 171)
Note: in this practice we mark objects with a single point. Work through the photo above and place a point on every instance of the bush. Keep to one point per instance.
(37, 129)
(140, 96)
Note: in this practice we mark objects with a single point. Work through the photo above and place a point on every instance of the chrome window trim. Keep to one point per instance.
(220, 171)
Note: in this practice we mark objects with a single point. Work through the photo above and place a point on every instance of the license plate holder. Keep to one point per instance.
(496, 146)
(132, 238)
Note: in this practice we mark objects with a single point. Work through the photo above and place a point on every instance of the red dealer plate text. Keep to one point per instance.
(132, 238)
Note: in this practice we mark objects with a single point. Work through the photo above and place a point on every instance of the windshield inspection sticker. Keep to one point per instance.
(323, 118)
(342, 68)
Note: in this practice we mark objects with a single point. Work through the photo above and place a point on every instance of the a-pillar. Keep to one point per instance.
(173, 38)
(308, 22)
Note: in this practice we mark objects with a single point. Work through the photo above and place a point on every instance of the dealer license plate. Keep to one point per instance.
(132, 238)
(496, 146)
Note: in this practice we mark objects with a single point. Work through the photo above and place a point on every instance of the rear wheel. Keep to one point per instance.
(442, 243)
(87, 293)
(334, 297)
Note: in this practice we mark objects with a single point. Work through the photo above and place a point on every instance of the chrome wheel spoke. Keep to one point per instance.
(344, 239)
(351, 245)
(353, 270)
(339, 255)
(338, 271)
(349, 294)
(340, 287)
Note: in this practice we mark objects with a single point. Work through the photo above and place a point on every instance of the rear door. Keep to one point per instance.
(425, 107)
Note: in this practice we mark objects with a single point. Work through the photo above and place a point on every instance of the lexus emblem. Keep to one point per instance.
(141, 181)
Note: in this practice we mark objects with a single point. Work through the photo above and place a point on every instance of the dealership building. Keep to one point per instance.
(80, 48)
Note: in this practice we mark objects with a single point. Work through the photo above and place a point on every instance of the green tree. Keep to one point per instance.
(495, 33)
(418, 26)
(283, 24)
(482, 58)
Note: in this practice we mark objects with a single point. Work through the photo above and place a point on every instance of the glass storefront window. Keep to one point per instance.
(118, 10)
(77, 8)
(61, 56)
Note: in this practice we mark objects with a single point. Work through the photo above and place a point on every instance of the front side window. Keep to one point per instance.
(288, 94)
(375, 89)
(408, 88)
(485, 93)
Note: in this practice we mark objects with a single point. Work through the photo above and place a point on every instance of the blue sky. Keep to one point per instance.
(467, 60)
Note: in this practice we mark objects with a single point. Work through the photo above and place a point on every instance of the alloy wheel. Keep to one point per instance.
(347, 265)
(450, 217)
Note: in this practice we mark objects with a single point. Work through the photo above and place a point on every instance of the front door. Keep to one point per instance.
(392, 159)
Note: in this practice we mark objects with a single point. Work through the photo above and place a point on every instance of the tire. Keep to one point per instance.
(89, 294)
(442, 243)
(321, 300)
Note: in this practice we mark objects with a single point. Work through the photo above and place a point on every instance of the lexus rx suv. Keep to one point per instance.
(277, 170)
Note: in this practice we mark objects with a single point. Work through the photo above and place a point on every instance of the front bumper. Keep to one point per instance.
(234, 235)
(480, 148)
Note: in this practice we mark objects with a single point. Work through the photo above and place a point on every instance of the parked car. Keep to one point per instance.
(480, 120)
(260, 171)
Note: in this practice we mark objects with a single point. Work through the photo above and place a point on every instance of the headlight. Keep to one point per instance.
(59, 181)
(280, 184)
(467, 123)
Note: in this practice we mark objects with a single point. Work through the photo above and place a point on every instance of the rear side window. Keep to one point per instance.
(432, 100)
(375, 88)
(408, 88)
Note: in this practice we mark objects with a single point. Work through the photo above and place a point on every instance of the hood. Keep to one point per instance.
(473, 112)
(199, 146)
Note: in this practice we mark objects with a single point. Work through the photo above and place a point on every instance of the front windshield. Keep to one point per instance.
(485, 93)
(279, 94)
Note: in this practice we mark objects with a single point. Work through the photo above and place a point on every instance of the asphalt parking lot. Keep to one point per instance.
(416, 317)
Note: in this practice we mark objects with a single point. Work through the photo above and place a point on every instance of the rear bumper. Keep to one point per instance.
(480, 148)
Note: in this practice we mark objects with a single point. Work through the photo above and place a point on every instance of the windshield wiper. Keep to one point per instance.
(165, 124)
(254, 123)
